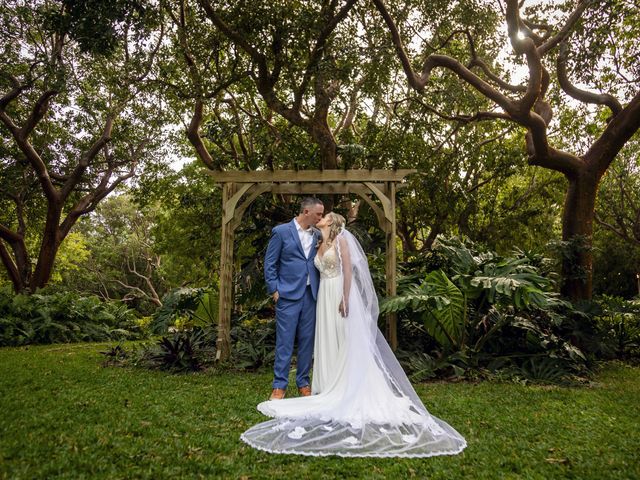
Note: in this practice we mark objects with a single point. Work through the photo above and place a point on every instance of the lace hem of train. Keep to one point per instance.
(318, 438)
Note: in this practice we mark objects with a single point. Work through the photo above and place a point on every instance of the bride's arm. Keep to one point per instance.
(347, 272)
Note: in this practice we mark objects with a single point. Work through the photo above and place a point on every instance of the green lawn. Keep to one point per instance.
(66, 416)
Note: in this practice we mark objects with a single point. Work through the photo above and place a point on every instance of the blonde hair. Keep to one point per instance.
(337, 224)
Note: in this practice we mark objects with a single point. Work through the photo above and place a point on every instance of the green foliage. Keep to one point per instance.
(198, 305)
(616, 264)
(543, 370)
(115, 355)
(185, 223)
(473, 176)
(94, 119)
(206, 312)
(443, 304)
(184, 351)
(188, 349)
(482, 312)
(252, 330)
(73, 252)
(97, 25)
(618, 321)
(568, 252)
(423, 366)
(118, 258)
(63, 317)
(522, 209)
(191, 347)
(254, 343)
(616, 239)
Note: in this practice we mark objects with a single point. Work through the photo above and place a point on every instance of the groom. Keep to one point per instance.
(292, 281)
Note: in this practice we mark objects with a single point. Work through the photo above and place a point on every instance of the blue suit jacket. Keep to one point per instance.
(285, 266)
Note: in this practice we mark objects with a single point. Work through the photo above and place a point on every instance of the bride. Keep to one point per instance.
(362, 404)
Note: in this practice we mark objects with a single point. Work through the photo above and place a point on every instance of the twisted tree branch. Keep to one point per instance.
(575, 92)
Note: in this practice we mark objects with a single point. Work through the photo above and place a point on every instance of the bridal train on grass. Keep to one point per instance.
(362, 405)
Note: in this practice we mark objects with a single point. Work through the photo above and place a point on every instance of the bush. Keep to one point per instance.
(252, 339)
(187, 306)
(64, 317)
(618, 323)
(184, 350)
(479, 313)
(254, 343)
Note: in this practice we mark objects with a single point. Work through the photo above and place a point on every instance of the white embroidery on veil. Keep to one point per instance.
(297, 433)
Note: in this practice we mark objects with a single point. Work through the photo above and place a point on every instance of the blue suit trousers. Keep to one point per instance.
(295, 320)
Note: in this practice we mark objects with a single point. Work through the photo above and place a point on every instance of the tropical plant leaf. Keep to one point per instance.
(445, 315)
(544, 370)
(206, 312)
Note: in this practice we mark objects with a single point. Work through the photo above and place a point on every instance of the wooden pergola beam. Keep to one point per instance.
(260, 176)
(340, 188)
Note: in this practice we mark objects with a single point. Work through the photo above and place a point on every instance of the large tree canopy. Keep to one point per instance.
(95, 89)
(544, 38)
(76, 118)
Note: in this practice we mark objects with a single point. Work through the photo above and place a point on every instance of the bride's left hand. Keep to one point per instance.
(344, 308)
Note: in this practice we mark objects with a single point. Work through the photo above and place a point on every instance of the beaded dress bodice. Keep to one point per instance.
(329, 264)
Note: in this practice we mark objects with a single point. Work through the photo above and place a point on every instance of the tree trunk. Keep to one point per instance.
(328, 150)
(408, 246)
(19, 266)
(48, 249)
(434, 231)
(23, 263)
(13, 268)
(321, 134)
(577, 229)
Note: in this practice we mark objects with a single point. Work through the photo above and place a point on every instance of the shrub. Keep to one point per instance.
(479, 313)
(191, 309)
(62, 317)
(185, 350)
(254, 343)
(190, 306)
(618, 323)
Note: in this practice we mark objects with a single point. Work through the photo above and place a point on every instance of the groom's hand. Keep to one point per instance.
(275, 296)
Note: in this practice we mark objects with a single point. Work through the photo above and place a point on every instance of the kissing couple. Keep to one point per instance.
(360, 402)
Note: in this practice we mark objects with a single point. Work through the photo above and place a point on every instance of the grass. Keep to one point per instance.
(66, 416)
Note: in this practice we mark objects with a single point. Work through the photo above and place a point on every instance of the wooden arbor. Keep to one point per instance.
(240, 189)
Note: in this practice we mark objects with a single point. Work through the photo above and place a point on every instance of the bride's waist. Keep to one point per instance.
(330, 275)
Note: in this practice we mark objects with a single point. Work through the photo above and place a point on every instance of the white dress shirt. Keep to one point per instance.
(306, 239)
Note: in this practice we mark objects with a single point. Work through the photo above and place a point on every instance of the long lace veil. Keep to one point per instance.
(363, 305)
(371, 409)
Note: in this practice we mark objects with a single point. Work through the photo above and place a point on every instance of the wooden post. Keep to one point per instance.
(225, 300)
(390, 265)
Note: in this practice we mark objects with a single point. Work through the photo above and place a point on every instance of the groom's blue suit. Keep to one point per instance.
(286, 270)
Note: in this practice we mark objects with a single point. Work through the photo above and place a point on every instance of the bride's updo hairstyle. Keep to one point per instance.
(337, 224)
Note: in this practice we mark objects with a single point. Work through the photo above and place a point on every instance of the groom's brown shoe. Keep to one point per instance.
(277, 394)
(304, 391)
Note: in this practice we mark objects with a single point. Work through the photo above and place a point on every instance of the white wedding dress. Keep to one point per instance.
(362, 404)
